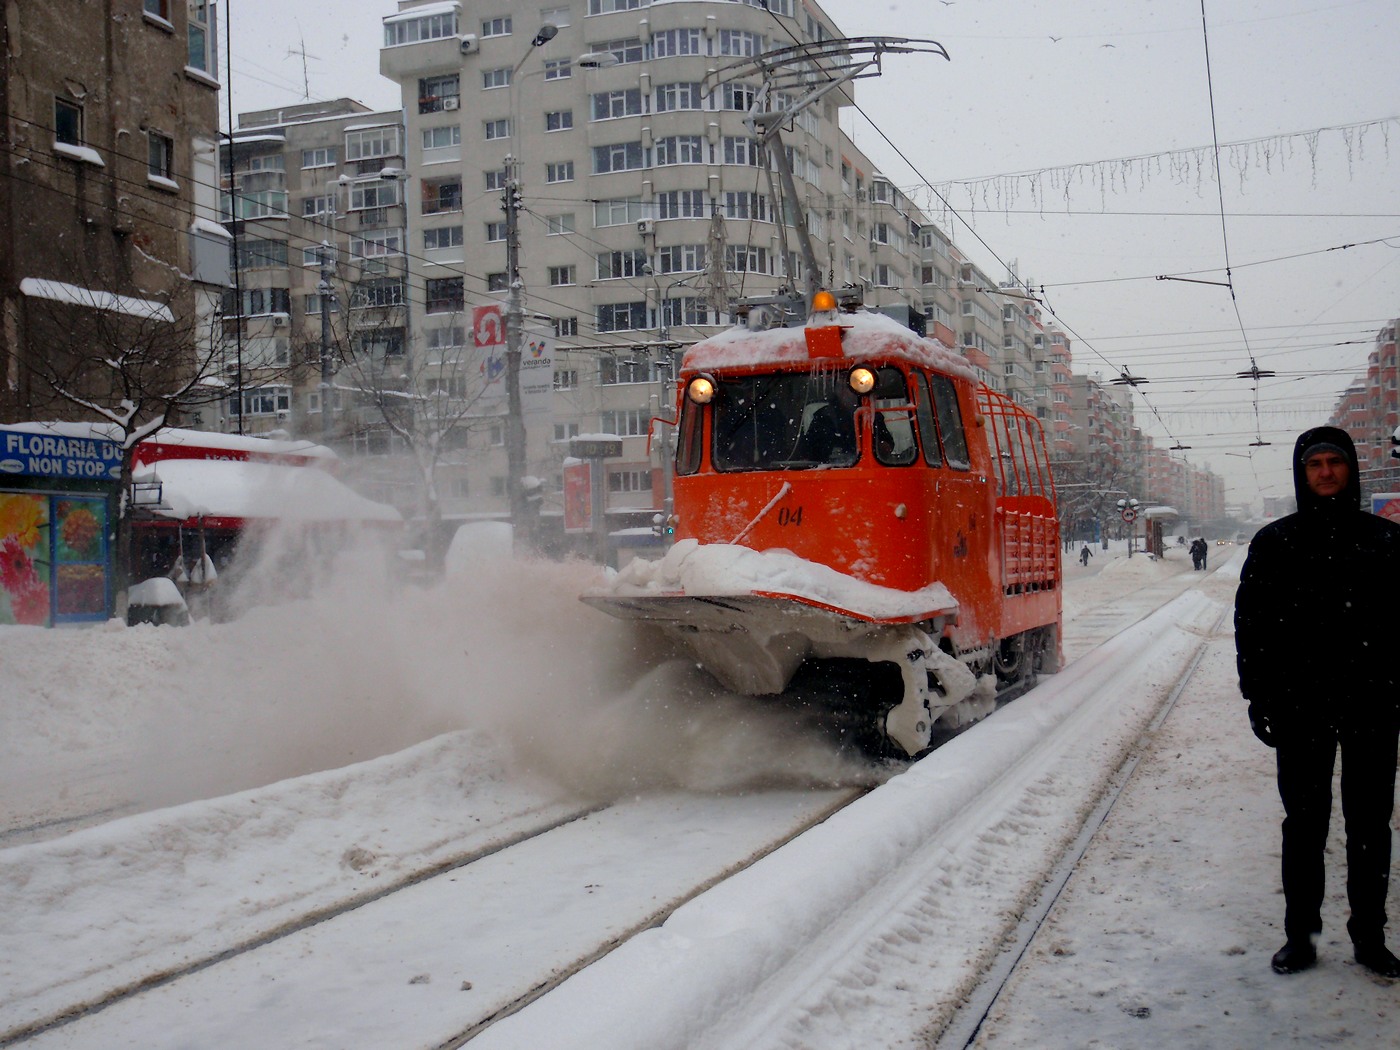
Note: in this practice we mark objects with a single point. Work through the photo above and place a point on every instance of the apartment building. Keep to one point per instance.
(645, 207)
(314, 196)
(108, 184)
(1369, 410)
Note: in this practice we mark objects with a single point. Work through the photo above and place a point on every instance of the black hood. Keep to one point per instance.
(1349, 497)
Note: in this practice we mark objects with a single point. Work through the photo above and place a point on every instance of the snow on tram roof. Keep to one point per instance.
(866, 335)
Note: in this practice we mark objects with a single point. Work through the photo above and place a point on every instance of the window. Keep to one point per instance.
(745, 205)
(321, 157)
(629, 50)
(740, 43)
(617, 212)
(555, 225)
(160, 155)
(626, 422)
(740, 150)
(405, 29)
(444, 294)
(495, 78)
(565, 326)
(615, 372)
(607, 7)
(312, 304)
(157, 8)
(440, 195)
(258, 301)
(381, 343)
(260, 254)
(558, 68)
(496, 180)
(738, 97)
(673, 42)
(566, 379)
(263, 204)
(681, 204)
(497, 282)
(372, 143)
(438, 93)
(67, 122)
(496, 231)
(445, 338)
(607, 105)
(620, 156)
(564, 431)
(441, 138)
(560, 276)
(743, 258)
(681, 258)
(497, 129)
(200, 56)
(687, 310)
(629, 481)
(561, 171)
(378, 293)
(442, 237)
(679, 149)
(311, 256)
(684, 95)
(377, 244)
(622, 317)
(375, 193)
(264, 401)
(496, 26)
(612, 265)
(555, 16)
(559, 120)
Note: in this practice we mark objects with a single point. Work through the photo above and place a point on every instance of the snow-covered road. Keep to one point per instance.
(869, 930)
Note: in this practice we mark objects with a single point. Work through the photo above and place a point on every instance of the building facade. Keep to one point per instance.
(108, 189)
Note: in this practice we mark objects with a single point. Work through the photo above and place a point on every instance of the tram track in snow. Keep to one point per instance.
(617, 845)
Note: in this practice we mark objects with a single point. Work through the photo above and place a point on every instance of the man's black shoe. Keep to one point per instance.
(1296, 956)
(1378, 959)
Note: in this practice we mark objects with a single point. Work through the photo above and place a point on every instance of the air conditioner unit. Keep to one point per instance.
(280, 321)
(468, 44)
(646, 226)
(451, 102)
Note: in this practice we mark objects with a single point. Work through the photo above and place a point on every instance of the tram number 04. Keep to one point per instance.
(789, 516)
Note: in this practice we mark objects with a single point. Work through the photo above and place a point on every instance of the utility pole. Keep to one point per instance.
(515, 324)
(327, 293)
(515, 313)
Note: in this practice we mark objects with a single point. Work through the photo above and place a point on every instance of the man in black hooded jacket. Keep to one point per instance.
(1317, 663)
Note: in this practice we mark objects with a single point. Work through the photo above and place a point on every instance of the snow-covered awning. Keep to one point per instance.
(58, 291)
(236, 491)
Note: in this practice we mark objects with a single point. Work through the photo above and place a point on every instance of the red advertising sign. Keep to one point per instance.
(578, 497)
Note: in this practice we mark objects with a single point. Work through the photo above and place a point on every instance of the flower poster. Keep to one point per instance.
(80, 527)
(24, 559)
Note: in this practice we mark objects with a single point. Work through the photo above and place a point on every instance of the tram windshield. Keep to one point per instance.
(785, 421)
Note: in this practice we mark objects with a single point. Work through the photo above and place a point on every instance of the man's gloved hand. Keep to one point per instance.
(1259, 722)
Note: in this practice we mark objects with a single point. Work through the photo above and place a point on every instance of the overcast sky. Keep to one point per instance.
(1071, 139)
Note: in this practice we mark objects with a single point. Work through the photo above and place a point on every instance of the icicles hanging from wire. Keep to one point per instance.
(1192, 167)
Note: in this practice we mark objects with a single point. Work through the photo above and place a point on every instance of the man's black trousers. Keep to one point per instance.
(1306, 756)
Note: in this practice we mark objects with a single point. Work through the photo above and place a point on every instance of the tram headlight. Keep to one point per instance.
(701, 390)
(862, 379)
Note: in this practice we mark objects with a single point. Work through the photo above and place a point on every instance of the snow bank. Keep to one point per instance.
(723, 946)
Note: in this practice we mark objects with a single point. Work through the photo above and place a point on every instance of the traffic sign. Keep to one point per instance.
(1129, 515)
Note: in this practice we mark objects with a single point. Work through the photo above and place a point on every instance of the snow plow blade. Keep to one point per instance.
(754, 643)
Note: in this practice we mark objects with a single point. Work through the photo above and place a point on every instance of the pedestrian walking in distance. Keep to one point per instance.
(1314, 646)
(1085, 555)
